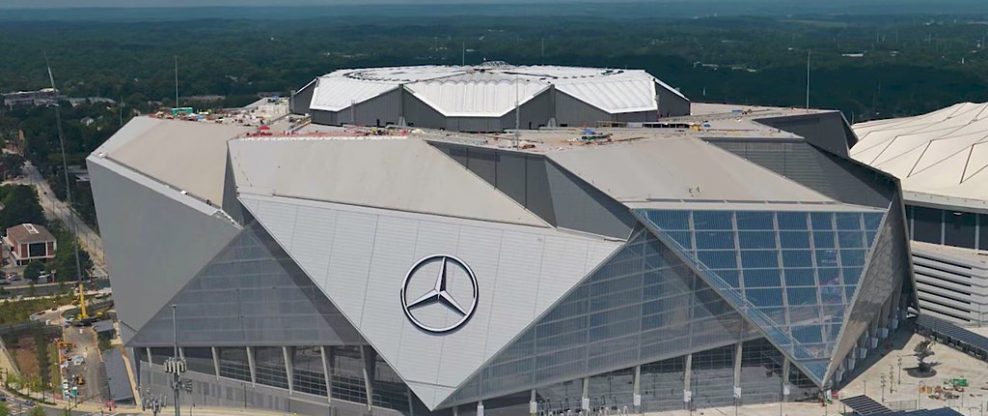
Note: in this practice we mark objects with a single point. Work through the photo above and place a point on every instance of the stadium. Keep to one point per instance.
(484, 98)
(742, 259)
(942, 160)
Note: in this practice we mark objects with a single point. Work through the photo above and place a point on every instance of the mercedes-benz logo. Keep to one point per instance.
(439, 293)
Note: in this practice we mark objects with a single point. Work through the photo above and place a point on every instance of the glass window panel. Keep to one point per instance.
(792, 220)
(759, 258)
(801, 296)
(850, 239)
(828, 276)
(712, 220)
(831, 295)
(804, 314)
(849, 293)
(826, 258)
(794, 239)
(669, 220)
(807, 334)
(681, 237)
(848, 220)
(849, 258)
(926, 225)
(797, 258)
(762, 278)
(718, 259)
(873, 220)
(870, 238)
(960, 229)
(823, 239)
(764, 297)
(983, 231)
(714, 240)
(800, 277)
(731, 277)
(822, 220)
(757, 239)
(755, 221)
(852, 275)
(777, 315)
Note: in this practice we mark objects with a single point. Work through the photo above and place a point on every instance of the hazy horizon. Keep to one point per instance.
(130, 4)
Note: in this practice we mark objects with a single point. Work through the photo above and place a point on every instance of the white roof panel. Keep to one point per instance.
(391, 173)
(493, 98)
(631, 91)
(944, 152)
(337, 93)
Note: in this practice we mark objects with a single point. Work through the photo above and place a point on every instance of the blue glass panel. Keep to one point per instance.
(852, 275)
(794, 239)
(762, 278)
(804, 314)
(800, 277)
(797, 258)
(822, 220)
(850, 239)
(823, 239)
(870, 238)
(831, 295)
(718, 259)
(849, 292)
(807, 334)
(777, 315)
(669, 220)
(714, 240)
(757, 239)
(852, 257)
(828, 276)
(848, 220)
(755, 220)
(764, 297)
(712, 220)
(731, 277)
(801, 296)
(759, 258)
(792, 220)
(873, 220)
(682, 237)
(826, 258)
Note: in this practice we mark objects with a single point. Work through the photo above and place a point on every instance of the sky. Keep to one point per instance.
(31, 4)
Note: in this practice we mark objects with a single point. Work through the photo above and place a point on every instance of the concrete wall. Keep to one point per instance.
(326, 118)
(420, 114)
(300, 102)
(670, 103)
(827, 130)
(378, 111)
(575, 113)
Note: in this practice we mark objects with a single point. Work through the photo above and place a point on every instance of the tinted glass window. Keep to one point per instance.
(926, 224)
(960, 228)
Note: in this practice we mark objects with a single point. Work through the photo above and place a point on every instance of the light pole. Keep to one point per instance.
(176, 366)
(883, 388)
(900, 368)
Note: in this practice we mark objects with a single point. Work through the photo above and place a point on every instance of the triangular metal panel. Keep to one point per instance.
(360, 257)
(792, 273)
(250, 294)
(643, 304)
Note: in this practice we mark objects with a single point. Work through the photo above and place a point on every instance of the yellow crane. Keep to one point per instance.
(83, 313)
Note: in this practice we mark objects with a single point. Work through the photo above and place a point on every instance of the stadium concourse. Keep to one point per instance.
(734, 255)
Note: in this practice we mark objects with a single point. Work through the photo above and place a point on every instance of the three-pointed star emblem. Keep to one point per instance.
(439, 293)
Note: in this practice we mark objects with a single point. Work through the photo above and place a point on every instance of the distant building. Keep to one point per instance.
(482, 98)
(941, 158)
(29, 242)
(40, 97)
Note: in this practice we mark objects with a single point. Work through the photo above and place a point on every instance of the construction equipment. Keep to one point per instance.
(83, 313)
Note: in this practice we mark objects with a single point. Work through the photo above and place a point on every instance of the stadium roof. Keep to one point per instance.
(490, 89)
(943, 153)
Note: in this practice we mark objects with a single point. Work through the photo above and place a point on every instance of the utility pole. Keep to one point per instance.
(176, 80)
(176, 366)
(517, 114)
(808, 53)
(463, 54)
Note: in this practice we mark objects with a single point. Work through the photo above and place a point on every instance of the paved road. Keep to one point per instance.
(54, 208)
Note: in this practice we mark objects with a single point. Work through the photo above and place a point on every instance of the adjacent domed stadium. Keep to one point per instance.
(483, 98)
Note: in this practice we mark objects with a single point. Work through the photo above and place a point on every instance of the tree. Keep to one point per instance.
(4, 410)
(11, 164)
(64, 263)
(20, 205)
(33, 271)
(38, 411)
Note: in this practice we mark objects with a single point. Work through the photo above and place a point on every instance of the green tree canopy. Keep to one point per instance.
(20, 205)
(33, 271)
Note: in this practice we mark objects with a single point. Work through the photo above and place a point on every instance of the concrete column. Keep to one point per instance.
(147, 350)
(480, 408)
(533, 406)
(181, 352)
(785, 380)
(216, 362)
(327, 375)
(585, 398)
(252, 366)
(368, 355)
(636, 398)
(687, 375)
(737, 372)
(289, 369)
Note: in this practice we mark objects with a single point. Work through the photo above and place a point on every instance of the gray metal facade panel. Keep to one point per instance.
(535, 113)
(371, 251)
(419, 114)
(230, 204)
(378, 111)
(816, 169)
(575, 113)
(511, 175)
(303, 98)
(642, 305)
(153, 243)
(580, 206)
(826, 130)
(250, 294)
(670, 103)
(636, 117)
(327, 118)
(538, 194)
(484, 163)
